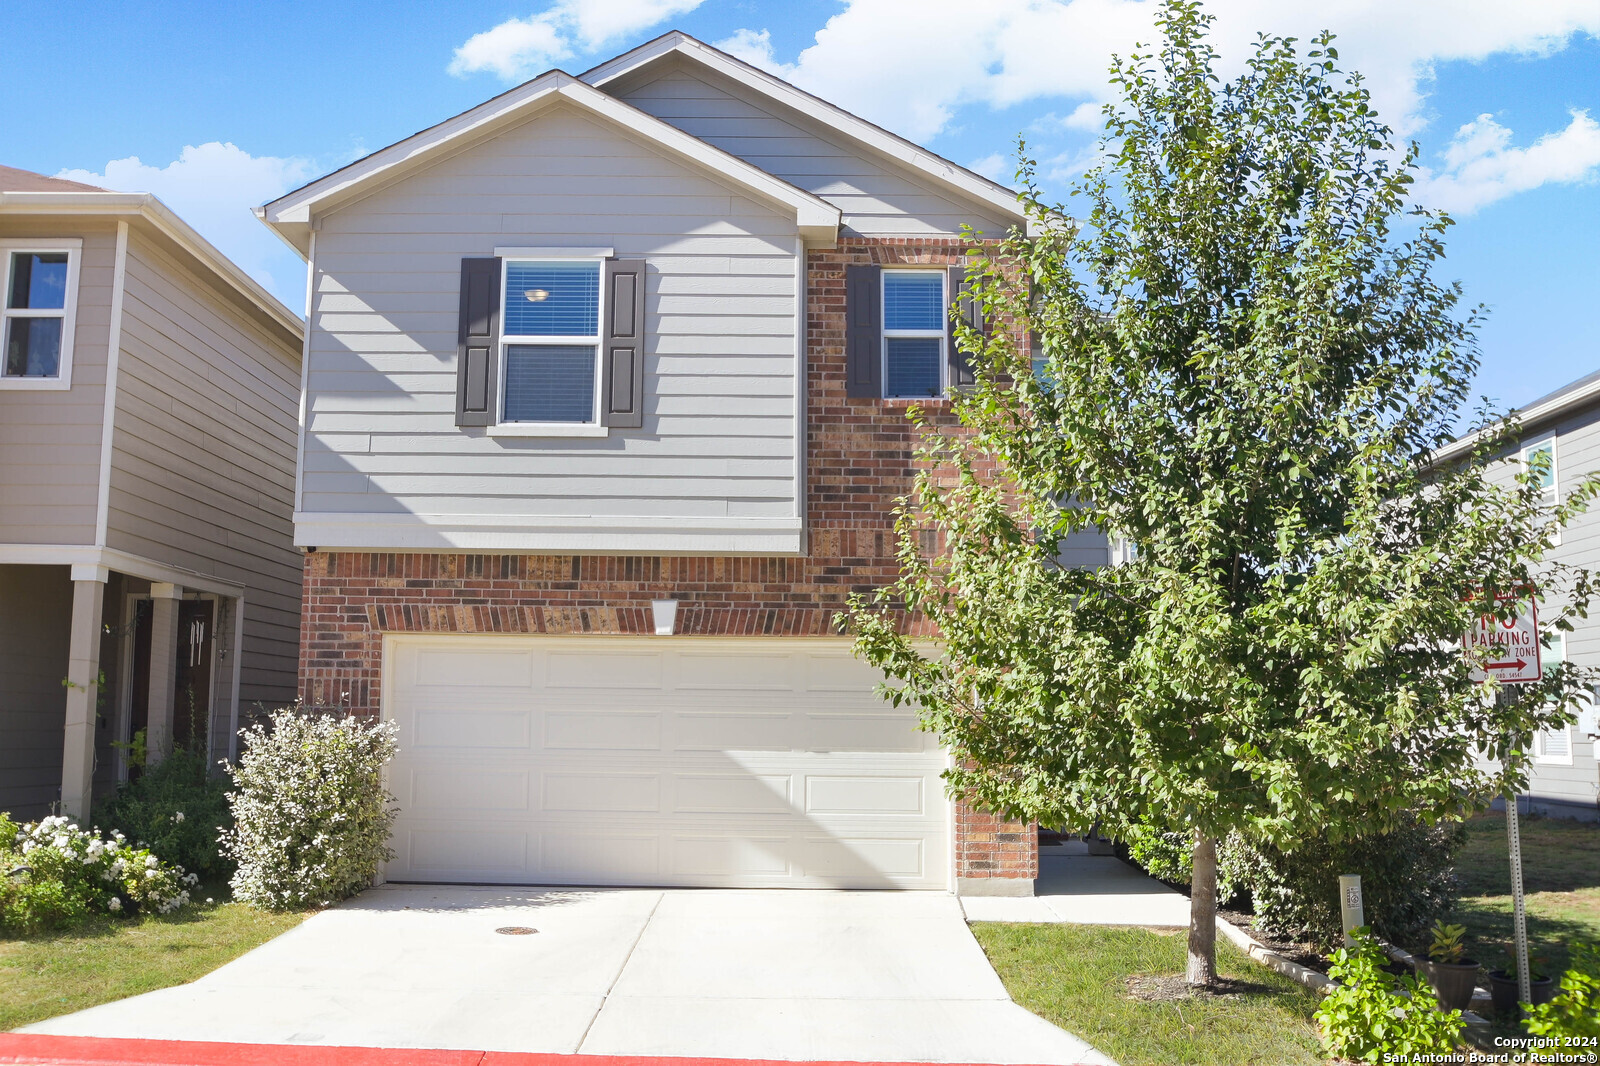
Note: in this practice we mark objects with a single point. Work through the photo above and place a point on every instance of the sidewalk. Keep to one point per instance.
(1074, 886)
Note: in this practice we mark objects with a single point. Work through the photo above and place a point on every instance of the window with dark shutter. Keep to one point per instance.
(478, 342)
(970, 312)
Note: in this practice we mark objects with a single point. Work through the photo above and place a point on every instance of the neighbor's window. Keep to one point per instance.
(39, 284)
(1543, 455)
(913, 333)
(1554, 745)
(550, 341)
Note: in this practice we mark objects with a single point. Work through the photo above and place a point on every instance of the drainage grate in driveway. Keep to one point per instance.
(516, 930)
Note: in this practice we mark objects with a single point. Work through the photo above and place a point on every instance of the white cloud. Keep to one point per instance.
(1481, 166)
(519, 48)
(213, 188)
(1086, 117)
(754, 48)
(995, 167)
(1022, 50)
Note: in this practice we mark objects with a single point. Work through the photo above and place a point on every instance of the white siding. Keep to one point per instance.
(718, 440)
(202, 468)
(877, 197)
(50, 440)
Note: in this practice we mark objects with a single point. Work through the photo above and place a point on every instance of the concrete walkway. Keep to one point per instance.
(1074, 886)
(885, 976)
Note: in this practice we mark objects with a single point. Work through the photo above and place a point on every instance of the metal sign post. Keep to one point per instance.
(1350, 909)
(1519, 914)
(1512, 657)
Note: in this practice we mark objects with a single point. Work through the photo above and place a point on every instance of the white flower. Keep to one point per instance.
(151, 862)
(210, 900)
(177, 816)
(115, 904)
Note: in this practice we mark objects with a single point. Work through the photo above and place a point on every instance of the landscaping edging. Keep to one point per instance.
(1258, 951)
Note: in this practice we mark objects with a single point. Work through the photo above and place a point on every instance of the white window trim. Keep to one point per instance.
(73, 246)
(1555, 655)
(943, 333)
(1555, 464)
(593, 428)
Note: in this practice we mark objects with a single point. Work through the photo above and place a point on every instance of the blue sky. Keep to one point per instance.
(217, 107)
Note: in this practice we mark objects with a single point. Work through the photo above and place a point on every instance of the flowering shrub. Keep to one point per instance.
(56, 874)
(177, 809)
(311, 816)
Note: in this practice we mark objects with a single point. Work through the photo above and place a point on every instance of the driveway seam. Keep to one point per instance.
(606, 996)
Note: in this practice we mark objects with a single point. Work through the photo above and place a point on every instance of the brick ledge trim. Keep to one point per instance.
(617, 621)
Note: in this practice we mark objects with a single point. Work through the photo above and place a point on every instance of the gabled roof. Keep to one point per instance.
(942, 171)
(1568, 399)
(13, 179)
(146, 210)
(291, 215)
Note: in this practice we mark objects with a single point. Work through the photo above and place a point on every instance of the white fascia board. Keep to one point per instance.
(1551, 408)
(150, 210)
(544, 534)
(293, 215)
(90, 556)
(958, 178)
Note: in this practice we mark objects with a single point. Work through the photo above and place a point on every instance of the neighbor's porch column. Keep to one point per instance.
(83, 689)
(163, 670)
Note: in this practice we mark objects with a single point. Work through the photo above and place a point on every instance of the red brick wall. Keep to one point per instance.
(859, 459)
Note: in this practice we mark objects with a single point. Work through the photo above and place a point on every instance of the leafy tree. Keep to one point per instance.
(1247, 367)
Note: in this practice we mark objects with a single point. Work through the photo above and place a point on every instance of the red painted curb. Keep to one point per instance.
(38, 1049)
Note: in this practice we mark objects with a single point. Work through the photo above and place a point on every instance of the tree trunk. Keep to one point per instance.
(1203, 913)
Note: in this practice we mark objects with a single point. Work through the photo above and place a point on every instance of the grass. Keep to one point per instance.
(1077, 977)
(107, 958)
(1561, 885)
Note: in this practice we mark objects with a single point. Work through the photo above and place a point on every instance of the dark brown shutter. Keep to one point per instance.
(863, 331)
(966, 310)
(622, 345)
(477, 341)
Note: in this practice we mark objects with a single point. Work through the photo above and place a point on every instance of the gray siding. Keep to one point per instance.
(1577, 450)
(719, 436)
(878, 197)
(202, 470)
(50, 440)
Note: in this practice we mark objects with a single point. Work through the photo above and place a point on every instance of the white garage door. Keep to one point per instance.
(664, 761)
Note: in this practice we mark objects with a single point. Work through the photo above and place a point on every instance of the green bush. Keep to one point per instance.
(177, 810)
(55, 874)
(1575, 1010)
(1407, 882)
(311, 817)
(1169, 857)
(1374, 1016)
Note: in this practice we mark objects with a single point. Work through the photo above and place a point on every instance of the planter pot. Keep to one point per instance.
(1453, 981)
(1503, 987)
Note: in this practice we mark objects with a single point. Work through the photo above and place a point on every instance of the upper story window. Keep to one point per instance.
(39, 282)
(914, 333)
(1543, 455)
(551, 342)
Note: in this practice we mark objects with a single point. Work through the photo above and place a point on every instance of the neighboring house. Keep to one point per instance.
(1565, 426)
(645, 335)
(148, 399)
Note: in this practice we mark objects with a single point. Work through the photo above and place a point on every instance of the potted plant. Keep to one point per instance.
(1447, 968)
(1503, 987)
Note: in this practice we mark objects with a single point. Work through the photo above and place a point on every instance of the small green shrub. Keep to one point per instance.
(1169, 857)
(1447, 946)
(1575, 1010)
(311, 816)
(1407, 882)
(1373, 1015)
(178, 810)
(56, 874)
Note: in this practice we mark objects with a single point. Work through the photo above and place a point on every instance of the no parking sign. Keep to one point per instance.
(1513, 644)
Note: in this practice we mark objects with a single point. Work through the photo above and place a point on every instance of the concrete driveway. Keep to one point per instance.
(887, 976)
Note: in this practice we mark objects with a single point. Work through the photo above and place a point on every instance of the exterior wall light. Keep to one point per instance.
(666, 616)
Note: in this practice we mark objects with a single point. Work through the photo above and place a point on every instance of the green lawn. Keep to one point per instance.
(1561, 879)
(1078, 977)
(106, 959)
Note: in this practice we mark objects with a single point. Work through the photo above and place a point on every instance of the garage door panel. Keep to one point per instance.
(866, 795)
(580, 730)
(732, 793)
(489, 668)
(601, 792)
(746, 764)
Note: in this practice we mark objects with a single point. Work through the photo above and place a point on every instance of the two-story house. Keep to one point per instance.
(1563, 428)
(604, 418)
(149, 584)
